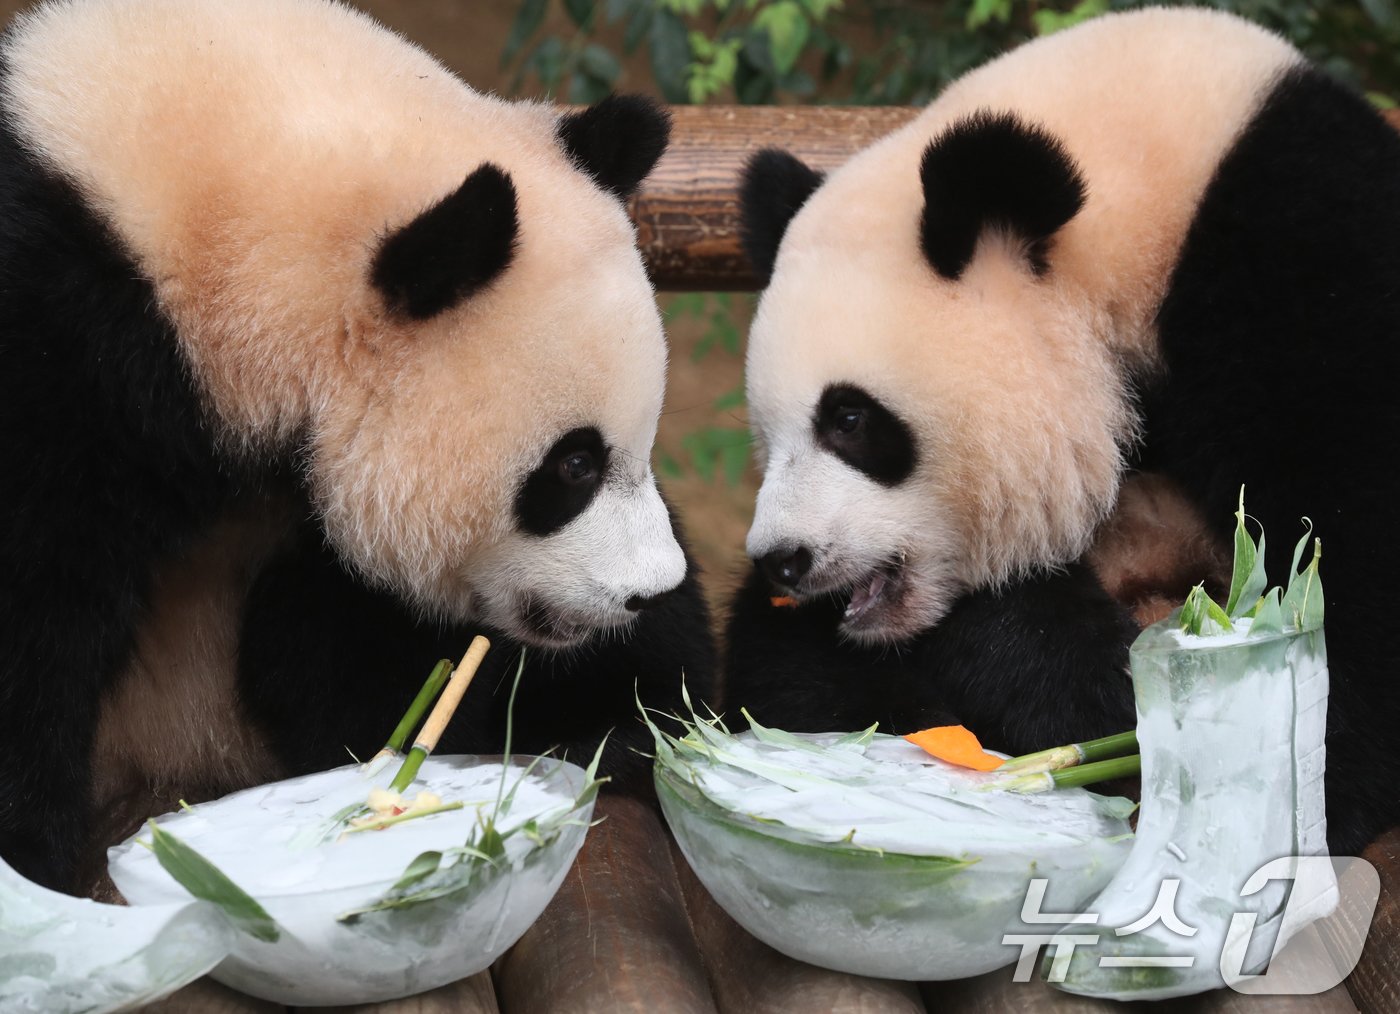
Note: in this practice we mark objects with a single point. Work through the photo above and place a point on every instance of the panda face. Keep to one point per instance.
(592, 545)
(921, 435)
(422, 294)
(502, 474)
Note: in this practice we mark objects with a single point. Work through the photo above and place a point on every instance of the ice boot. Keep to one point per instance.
(1231, 730)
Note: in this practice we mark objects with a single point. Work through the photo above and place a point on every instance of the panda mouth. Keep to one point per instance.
(546, 626)
(873, 596)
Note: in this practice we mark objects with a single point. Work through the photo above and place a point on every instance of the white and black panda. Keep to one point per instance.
(1158, 241)
(313, 362)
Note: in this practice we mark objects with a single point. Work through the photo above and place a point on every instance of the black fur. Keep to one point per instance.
(994, 170)
(862, 432)
(452, 250)
(617, 141)
(1278, 333)
(109, 469)
(774, 187)
(791, 669)
(1279, 338)
(325, 663)
(558, 489)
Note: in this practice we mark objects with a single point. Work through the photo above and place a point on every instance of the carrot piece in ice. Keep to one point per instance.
(956, 745)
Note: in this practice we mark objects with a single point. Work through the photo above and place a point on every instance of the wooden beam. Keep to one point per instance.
(687, 213)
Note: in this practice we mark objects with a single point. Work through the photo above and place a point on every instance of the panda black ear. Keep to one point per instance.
(775, 185)
(452, 250)
(994, 169)
(617, 141)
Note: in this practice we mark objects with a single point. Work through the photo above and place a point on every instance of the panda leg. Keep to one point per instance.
(1037, 664)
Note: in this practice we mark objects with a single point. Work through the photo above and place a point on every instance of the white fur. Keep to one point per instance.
(251, 155)
(1011, 383)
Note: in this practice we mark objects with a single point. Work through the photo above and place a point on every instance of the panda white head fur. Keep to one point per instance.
(937, 370)
(431, 296)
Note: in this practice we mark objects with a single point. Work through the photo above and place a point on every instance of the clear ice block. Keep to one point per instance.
(1231, 729)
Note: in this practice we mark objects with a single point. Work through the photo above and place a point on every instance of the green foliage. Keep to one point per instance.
(713, 452)
(207, 882)
(1298, 607)
(872, 51)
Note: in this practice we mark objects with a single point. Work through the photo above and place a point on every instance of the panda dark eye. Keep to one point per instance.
(860, 430)
(578, 468)
(849, 420)
(563, 484)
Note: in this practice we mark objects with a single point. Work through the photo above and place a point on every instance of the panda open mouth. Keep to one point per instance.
(874, 596)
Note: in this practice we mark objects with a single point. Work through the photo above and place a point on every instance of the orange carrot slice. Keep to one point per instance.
(956, 745)
(783, 602)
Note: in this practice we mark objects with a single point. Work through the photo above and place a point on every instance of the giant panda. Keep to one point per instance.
(314, 362)
(1160, 243)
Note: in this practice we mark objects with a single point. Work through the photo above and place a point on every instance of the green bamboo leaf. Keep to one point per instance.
(1268, 615)
(207, 882)
(424, 864)
(1303, 601)
(1200, 615)
(861, 738)
(1298, 550)
(1248, 581)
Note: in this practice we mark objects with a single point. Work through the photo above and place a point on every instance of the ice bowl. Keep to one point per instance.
(62, 955)
(926, 880)
(272, 841)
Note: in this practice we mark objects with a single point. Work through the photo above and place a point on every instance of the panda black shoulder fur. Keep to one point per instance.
(1157, 241)
(313, 363)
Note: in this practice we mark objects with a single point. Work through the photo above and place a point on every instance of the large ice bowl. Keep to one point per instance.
(272, 842)
(929, 882)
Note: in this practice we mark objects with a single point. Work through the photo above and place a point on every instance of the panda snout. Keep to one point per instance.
(786, 566)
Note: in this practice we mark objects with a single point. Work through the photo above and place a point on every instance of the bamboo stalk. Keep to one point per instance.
(442, 713)
(1069, 778)
(426, 695)
(1058, 758)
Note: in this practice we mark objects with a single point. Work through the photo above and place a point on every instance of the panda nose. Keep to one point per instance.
(637, 603)
(786, 567)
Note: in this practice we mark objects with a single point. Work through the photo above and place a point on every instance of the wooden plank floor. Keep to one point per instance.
(633, 930)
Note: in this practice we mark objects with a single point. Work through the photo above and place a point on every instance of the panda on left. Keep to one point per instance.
(314, 362)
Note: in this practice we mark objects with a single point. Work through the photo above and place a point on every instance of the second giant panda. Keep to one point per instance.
(314, 362)
(1160, 241)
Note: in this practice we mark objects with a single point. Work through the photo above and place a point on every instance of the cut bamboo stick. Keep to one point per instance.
(442, 713)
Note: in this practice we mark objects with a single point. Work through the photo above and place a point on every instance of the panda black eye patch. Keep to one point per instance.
(563, 484)
(862, 432)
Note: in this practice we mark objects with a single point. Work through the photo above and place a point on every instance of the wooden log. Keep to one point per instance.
(615, 938)
(995, 993)
(749, 977)
(475, 994)
(209, 997)
(1375, 984)
(687, 213)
